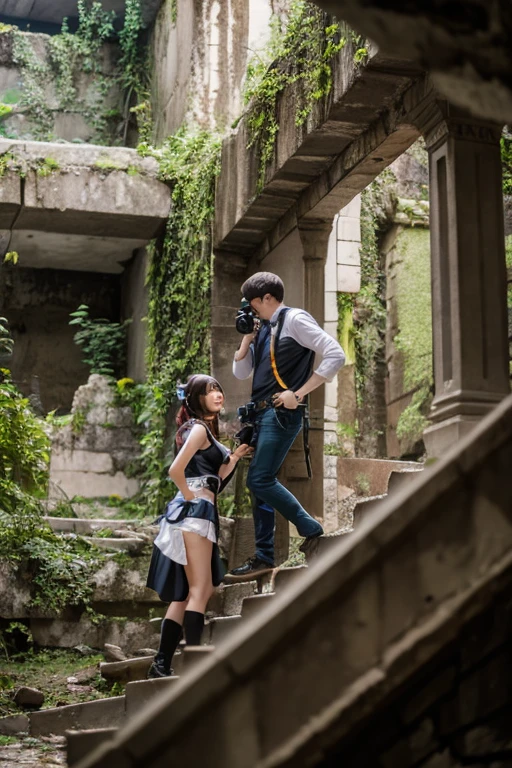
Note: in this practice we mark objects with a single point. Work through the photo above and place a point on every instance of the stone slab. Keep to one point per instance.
(126, 671)
(140, 693)
(90, 714)
(81, 461)
(13, 724)
(62, 633)
(91, 485)
(81, 743)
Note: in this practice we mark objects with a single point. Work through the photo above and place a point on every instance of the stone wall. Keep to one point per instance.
(456, 712)
(37, 302)
(94, 455)
(69, 122)
(200, 58)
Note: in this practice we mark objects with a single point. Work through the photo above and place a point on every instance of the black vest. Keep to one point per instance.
(293, 361)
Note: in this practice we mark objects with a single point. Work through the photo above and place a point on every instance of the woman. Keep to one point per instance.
(186, 565)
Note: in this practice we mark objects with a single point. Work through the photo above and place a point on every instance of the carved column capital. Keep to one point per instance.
(314, 235)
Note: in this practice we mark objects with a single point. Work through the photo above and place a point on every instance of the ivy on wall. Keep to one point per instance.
(179, 283)
(298, 54)
(70, 56)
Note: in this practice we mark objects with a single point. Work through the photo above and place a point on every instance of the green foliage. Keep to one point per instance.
(506, 161)
(47, 166)
(134, 72)
(414, 339)
(369, 309)
(6, 342)
(179, 280)
(103, 342)
(58, 569)
(299, 54)
(5, 109)
(24, 444)
(70, 55)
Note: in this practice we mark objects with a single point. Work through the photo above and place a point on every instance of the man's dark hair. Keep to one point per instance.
(256, 286)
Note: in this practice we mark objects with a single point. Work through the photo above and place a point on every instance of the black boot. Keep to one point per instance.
(169, 639)
(193, 625)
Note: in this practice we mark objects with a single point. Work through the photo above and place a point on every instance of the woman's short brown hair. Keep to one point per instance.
(261, 283)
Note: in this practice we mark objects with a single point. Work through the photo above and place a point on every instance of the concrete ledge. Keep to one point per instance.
(88, 190)
(90, 714)
(303, 155)
(140, 693)
(80, 743)
(126, 671)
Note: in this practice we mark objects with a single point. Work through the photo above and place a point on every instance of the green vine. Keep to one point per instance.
(68, 56)
(299, 54)
(179, 281)
(506, 161)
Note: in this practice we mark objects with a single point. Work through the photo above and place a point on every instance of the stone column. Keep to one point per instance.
(314, 236)
(468, 275)
(229, 273)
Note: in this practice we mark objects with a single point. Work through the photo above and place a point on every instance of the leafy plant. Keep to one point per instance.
(179, 280)
(299, 54)
(6, 342)
(103, 342)
(24, 444)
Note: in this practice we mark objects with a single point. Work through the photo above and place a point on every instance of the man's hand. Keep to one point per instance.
(287, 399)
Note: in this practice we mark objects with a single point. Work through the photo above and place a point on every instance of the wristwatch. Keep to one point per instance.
(297, 397)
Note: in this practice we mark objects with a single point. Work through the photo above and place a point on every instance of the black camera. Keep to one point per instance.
(248, 435)
(244, 322)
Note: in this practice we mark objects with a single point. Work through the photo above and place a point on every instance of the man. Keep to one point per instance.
(280, 355)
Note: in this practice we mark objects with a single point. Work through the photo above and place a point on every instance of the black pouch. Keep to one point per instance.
(248, 435)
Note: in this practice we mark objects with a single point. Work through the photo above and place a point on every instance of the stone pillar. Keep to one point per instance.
(229, 273)
(314, 236)
(468, 275)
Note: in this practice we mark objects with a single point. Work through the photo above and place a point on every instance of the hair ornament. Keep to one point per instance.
(181, 394)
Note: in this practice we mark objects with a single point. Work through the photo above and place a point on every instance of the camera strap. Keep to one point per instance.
(305, 411)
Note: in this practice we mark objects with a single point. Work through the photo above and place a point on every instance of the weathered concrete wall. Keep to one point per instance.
(469, 54)
(69, 122)
(409, 329)
(37, 302)
(134, 305)
(200, 60)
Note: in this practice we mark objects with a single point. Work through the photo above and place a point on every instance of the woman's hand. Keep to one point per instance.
(242, 450)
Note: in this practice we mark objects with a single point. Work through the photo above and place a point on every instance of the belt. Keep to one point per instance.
(211, 482)
(260, 405)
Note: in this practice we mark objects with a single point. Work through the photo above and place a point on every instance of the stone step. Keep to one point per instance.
(139, 693)
(134, 546)
(398, 480)
(126, 671)
(86, 527)
(227, 599)
(255, 604)
(365, 507)
(264, 581)
(87, 715)
(80, 743)
(285, 576)
(322, 545)
(220, 627)
(194, 655)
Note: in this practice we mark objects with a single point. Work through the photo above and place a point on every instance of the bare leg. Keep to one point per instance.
(176, 611)
(199, 571)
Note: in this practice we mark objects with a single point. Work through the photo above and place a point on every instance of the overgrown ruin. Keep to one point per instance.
(150, 161)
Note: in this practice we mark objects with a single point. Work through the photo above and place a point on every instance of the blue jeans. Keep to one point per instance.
(277, 429)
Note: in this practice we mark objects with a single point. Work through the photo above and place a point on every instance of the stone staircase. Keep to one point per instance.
(231, 607)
